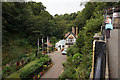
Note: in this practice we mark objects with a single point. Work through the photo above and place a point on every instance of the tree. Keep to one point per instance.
(80, 40)
(53, 40)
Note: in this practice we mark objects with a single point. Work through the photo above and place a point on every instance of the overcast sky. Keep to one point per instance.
(61, 6)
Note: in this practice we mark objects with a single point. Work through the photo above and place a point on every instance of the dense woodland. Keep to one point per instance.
(23, 23)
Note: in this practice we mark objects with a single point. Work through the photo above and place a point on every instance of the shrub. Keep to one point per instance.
(46, 56)
(21, 42)
(63, 64)
(44, 66)
(72, 50)
(44, 60)
(77, 56)
(67, 74)
(32, 57)
(30, 71)
(19, 58)
(6, 69)
(35, 68)
(39, 54)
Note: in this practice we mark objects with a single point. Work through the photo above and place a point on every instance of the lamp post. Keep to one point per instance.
(42, 45)
(38, 45)
(113, 16)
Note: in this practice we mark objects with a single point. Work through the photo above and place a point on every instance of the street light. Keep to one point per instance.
(113, 16)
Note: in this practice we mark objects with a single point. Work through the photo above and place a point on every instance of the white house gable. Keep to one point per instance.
(70, 40)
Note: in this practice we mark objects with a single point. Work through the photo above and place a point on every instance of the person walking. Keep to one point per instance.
(108, 26)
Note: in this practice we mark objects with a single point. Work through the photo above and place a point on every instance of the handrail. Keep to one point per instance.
(100, 56)
(100, 60)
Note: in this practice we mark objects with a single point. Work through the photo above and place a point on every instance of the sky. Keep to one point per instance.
(61, 6)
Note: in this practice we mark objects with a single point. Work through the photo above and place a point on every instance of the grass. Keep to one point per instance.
(13, 52)
(17, 73)
(13, 46)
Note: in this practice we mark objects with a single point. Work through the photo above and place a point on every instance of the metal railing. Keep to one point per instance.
(99, 61)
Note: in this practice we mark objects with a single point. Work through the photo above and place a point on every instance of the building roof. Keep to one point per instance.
(49, 44)
(69, 34)
(61, 42)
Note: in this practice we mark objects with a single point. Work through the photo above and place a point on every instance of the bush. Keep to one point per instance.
(32, 58)
(46, 56)
(22, 42)
(30, 71)
(67, 74)
(19, 58)
(35, 68)
(77, 56)
(63, 64)
(39, 54)
(72, 50)
(6, 69)
(44, 66)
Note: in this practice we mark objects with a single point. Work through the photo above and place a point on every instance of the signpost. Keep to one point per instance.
(38, 45)
(47, 45)
(42, 45)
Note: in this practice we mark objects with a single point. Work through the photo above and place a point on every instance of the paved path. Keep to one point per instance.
(56, 69)
(113, 43)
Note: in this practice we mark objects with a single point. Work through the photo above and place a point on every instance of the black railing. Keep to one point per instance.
(100, 57)
(100, 60)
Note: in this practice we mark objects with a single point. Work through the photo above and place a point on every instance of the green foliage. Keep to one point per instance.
(6, 69)
(53, 40)
(44, 66)
(72, 50)
(63, 63)
(80, 40)
(86, 14)
(64, 23)
(79, 56)
(67, 74)
(32, 57)
(39, 54)
(21, 42)
(19, 58)
(23, 23)
(34, 68)
(46, 56)
(27, 20)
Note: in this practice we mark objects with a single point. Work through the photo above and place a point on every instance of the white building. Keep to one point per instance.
(70, 37)
(60, 45)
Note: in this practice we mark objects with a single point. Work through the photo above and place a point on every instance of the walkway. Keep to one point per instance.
(56, 69)
(113, 44)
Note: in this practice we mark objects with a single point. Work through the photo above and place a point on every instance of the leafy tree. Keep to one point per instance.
(53, 40)
(80, 40)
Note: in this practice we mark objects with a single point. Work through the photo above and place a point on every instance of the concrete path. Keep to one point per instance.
(56, 69)
(113, 43)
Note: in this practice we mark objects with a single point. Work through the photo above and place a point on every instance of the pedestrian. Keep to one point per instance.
(108, 26)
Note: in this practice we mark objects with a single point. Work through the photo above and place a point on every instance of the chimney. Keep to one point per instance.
(73, 30)
(76, 32)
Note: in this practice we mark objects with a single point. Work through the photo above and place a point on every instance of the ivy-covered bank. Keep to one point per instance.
(79, 56)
